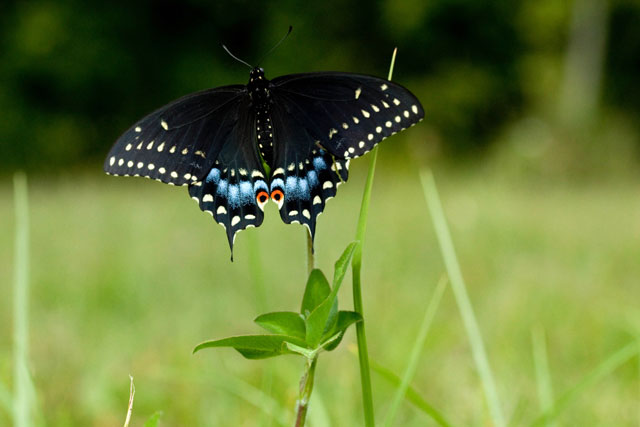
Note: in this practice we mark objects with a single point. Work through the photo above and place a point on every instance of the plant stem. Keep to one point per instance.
(310, 256)
(356, 267)
(306, 387)
(21, 400)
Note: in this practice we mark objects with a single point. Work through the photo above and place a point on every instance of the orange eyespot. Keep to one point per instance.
(277, 195)
(262, 197)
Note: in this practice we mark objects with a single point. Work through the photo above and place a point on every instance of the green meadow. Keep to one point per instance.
(128, 275)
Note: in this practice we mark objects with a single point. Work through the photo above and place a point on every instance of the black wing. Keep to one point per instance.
(234, 190)
(348, 113)
(204, 140)
(178, 143)
(321, 120)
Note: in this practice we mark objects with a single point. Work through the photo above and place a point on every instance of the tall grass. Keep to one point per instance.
(22, 398)
(356, 267)
(414, 357)
(462, 298)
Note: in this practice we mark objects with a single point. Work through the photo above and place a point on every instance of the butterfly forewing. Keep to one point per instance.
(347, 113)
(178, 143)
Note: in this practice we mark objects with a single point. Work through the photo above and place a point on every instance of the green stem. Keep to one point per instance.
(21, 400)
(356, 267)
(306, 387)
(310, 256)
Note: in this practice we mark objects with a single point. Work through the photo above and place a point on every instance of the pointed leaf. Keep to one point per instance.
(254, 346)
(316, 291)
(283, 323)
(334, 342)
(345, 319)
(343, 264)
(323, 318)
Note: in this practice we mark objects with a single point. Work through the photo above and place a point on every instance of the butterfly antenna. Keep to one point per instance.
(235, 57)
(277, 44)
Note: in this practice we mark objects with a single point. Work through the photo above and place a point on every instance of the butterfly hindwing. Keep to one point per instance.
(178, 143)
(347, 113)
(305, 174)
(235, 185)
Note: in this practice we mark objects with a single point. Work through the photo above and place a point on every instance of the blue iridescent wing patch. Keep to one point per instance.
(235, 190)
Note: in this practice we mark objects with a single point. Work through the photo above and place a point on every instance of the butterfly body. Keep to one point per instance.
(288, 140)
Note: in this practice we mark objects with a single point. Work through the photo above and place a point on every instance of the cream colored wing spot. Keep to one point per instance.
(366, 114)
(164, 125)
(208, 198)
(358, 91)
(221, 210)
(112, 160)
(160, 147)
(235, 220)
(396, 101)
(414, 108)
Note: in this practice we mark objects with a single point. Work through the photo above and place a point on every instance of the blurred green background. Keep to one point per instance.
(532, 128)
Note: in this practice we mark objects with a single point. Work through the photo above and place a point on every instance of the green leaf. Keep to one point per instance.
(324, 317)
(316, 291)
(345, 319)
(283, 323)
(153, 420)
(254, 346)
(343, 264)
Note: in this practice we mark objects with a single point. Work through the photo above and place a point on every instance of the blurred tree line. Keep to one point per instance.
(75, 74)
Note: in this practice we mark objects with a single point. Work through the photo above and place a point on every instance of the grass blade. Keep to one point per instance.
(602, 370)
(411, 394)
(543, 378)
(415, 351)
(22, 397)
(257, 398)
(462, 298)
(356, 267)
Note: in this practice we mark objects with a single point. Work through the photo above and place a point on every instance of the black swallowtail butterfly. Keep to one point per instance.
(289, 140)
